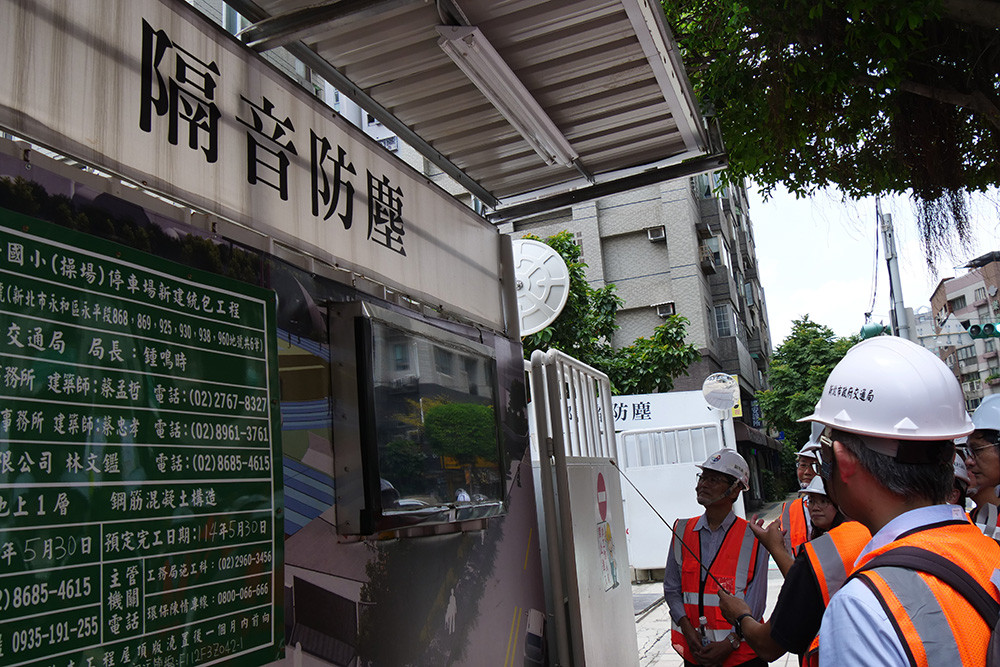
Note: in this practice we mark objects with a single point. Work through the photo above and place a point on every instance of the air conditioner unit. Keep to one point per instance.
(665, 309)
(656, 234)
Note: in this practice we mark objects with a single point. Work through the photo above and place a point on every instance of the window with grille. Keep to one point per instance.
(723, 321)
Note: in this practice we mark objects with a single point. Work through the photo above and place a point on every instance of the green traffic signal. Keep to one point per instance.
(872, 329)
(988, 330)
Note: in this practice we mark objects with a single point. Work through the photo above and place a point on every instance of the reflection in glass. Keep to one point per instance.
(435, 423)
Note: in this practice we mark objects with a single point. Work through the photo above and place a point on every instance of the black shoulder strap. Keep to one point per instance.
(922, 560)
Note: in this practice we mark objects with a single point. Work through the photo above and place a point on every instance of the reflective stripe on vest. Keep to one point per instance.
(794, 525)
(988, 523)
(832, 557)
(930, 638)
(733, 566)
(833, 553)
(934, 623)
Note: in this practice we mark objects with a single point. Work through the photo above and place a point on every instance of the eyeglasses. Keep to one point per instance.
(970, 452)
(818, 501)
(717, 480)
(805, 465)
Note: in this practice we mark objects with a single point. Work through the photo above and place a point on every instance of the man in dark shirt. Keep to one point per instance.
(798, 612)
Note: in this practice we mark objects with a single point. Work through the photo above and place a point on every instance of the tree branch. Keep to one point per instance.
(980, 13)
(977, 101)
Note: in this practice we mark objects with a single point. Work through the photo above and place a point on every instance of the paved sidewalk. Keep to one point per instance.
(652, 621)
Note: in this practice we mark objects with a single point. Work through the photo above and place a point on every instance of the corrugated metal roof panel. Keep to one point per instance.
(605, 78)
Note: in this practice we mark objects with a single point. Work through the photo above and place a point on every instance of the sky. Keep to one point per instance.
(816, 256)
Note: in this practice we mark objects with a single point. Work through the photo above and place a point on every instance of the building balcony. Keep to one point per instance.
(990, 354)
(703, 229)
(707, 261)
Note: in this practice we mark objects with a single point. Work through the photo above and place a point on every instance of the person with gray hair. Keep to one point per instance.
(982, 460)
(711, 554)
(891, 411)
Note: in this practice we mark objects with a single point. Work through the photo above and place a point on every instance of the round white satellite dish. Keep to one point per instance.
(542, 281)
(720, 390)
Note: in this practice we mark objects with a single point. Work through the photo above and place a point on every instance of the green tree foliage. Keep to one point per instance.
(872, 97)
(585, 326)
(649, 365)
(405, 463)
(462, 431)
(797, 372)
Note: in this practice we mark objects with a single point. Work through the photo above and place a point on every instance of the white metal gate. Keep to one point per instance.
(588, 579)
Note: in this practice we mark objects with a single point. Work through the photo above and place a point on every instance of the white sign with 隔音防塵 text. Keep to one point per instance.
(154, 92)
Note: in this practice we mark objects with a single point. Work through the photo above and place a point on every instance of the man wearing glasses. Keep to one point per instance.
(716, 549)
(982, 460)
(891, 411)
(795, 523)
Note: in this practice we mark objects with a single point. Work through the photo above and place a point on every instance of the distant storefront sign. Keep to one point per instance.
(756, 419)
(140, 494)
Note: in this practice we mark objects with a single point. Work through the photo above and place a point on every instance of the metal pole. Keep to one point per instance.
(899, 324)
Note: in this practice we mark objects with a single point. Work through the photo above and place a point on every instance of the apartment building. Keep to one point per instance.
(961, 302)
(682, 247)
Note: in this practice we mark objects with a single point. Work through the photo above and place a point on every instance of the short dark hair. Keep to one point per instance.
(930, 479)
(988, 434)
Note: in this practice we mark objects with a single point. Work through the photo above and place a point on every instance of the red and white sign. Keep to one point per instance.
(602, 497)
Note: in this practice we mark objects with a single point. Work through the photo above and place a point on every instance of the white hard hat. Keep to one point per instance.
(987, 415)
(961, 472)
(812, 445)
(888, 387)
(729, 461)
(815, 486)
(808, 451)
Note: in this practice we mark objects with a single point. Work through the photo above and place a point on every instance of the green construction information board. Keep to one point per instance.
(140, 487)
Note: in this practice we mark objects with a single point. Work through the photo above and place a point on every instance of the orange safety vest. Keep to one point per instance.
(733, 566)
(832, 556)
(916, 602)
(794, 525)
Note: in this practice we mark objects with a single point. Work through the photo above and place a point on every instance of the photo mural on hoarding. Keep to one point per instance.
(140, 488)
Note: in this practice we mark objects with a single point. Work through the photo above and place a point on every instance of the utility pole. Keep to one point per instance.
(899, 325)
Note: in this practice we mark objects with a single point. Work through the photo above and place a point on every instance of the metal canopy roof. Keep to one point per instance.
(604, 72)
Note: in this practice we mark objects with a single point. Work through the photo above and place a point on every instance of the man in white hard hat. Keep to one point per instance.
(717, 548)
(982, 459)
(891, 411)
(794, 522)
